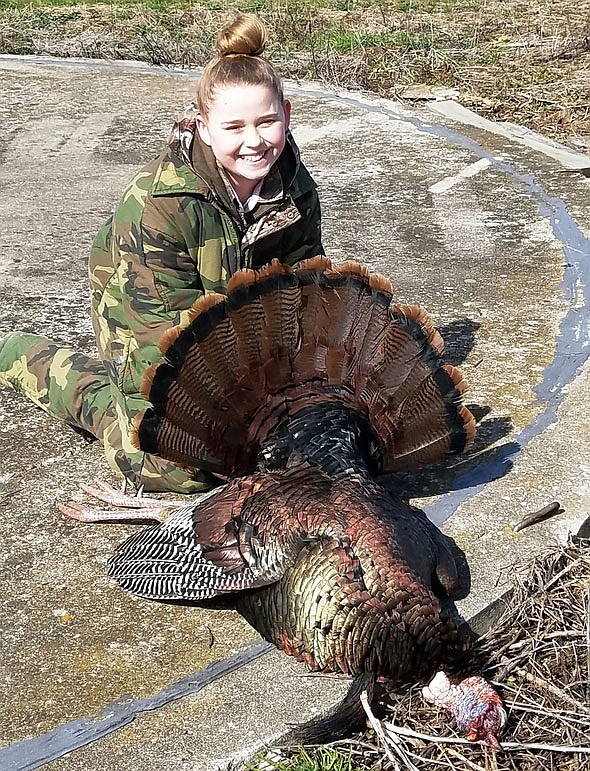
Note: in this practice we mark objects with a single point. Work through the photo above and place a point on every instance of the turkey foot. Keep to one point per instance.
(129, 508)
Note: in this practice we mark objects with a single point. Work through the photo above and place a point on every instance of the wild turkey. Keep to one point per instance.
(301, 386)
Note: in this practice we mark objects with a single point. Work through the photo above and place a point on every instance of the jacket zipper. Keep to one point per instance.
(244, 255)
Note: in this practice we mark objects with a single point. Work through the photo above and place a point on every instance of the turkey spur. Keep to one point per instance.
(301, 387)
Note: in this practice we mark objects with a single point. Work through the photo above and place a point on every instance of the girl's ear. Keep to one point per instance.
(203, 130)
(287, 111)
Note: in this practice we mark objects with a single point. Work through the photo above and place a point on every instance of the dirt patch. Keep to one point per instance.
(524, 62)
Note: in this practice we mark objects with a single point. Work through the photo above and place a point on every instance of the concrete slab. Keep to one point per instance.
(469, 218)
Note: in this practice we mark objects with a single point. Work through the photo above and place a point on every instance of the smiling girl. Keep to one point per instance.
(228, 192)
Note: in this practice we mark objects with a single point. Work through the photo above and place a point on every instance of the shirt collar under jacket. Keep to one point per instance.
(267, 191)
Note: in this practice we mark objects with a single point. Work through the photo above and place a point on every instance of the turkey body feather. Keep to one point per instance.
(301, 386)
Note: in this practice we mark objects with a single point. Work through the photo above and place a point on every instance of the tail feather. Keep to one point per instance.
(220, 356)
(440, 433)
(336, 322)
(185, 365)
(412, 350)
(286, 337)
(152, 433)
(263, 307)
(415, 315)
(281, 304)
(314, 276)
(372, 350)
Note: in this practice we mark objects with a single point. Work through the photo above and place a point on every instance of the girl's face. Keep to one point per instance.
(245, 128)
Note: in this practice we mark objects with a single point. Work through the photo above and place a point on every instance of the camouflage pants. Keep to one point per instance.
(76, 389)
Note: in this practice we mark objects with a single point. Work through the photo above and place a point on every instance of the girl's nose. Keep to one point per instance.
(251, 137)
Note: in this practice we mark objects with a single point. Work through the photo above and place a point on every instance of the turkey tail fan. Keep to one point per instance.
(284, 338)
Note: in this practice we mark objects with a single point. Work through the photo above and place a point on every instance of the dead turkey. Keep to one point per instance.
(301, 386)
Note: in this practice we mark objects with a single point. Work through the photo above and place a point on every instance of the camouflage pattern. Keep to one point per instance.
(175, 235)
(66, 384)
(75, 388)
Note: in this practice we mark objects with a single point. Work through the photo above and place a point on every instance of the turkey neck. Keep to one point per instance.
(329, 436)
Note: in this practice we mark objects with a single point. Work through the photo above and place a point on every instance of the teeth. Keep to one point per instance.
(251, 158)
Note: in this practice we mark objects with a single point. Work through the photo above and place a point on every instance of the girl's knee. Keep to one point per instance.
(157, 475)
(24, 363)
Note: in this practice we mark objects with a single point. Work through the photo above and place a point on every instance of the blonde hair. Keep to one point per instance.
(239, 62)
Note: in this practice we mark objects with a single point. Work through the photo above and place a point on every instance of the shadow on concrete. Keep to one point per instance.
(460, 339)
(485, 458)
(480, 466)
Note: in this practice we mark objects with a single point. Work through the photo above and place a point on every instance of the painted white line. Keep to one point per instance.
(567, 157)
(469, 171)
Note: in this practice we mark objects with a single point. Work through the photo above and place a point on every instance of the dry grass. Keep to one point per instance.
(526, 62)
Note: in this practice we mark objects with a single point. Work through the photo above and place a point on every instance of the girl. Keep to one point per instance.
(228, 192)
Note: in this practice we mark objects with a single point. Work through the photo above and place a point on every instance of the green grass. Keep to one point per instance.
(347, 41)
(321, 759)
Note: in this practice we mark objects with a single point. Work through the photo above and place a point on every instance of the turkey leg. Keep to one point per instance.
(128, 508)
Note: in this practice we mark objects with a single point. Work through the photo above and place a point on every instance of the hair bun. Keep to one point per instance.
(244, 36)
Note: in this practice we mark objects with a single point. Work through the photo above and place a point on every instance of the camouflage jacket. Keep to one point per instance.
(177, 234)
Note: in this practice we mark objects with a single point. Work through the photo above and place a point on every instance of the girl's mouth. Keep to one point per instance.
(252, 158)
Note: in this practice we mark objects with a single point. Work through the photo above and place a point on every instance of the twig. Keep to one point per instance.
(505, 745)
(561, 573)
(470, 763)
(378, 728)
(546, 747)
(396, 729)
(538, 516)
(548, 686)
(563, 716)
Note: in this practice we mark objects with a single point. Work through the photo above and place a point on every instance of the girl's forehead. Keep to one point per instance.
(239, 98)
